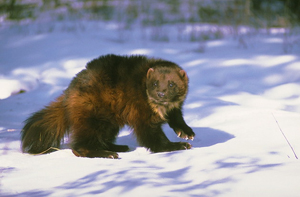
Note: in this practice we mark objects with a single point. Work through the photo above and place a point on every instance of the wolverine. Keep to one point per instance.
(111, 92)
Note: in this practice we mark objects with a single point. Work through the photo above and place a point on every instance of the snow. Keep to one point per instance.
(236, 98)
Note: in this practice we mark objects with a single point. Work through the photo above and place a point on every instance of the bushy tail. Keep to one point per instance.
(45, 128)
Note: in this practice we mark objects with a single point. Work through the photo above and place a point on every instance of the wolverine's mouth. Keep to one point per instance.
(159, 101)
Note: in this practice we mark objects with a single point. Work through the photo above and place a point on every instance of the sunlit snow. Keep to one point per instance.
(236, 95)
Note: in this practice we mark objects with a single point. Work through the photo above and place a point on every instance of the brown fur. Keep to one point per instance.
(113, 91)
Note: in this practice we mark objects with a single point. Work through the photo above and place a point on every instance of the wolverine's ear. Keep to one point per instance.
(151, 70)
(183, 75)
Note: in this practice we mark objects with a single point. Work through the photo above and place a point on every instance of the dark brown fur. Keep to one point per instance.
(113, 91)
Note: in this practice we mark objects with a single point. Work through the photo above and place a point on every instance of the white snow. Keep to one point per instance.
(236, 98)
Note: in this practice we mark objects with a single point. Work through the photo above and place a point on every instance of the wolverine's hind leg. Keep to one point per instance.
(92, 137)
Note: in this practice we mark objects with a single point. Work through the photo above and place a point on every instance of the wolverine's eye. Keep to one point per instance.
(155, 84)
(171, 84)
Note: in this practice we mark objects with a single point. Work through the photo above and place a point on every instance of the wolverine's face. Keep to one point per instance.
(165, 85)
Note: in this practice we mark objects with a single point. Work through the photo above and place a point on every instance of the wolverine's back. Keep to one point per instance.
(111, 86)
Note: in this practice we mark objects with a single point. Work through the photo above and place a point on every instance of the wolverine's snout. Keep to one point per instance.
(160, 94)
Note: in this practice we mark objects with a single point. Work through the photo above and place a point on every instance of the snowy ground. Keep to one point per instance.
(243, 104)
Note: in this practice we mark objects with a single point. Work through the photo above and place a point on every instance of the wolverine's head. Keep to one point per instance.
(166, 84)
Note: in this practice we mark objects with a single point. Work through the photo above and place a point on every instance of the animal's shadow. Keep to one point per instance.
(204, 137)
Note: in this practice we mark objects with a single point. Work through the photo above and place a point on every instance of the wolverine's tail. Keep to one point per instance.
(45, 129)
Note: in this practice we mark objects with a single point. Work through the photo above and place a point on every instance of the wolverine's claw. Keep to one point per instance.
(179, 133)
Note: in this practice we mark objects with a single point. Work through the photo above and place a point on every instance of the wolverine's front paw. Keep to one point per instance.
(188, 134)
(178, 146)
(173, 146)
(82, 152)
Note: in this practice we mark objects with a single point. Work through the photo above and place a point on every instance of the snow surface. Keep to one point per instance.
(243, 104)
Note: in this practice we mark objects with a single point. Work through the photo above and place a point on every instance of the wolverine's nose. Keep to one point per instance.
(160, 94)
